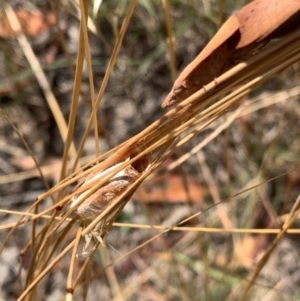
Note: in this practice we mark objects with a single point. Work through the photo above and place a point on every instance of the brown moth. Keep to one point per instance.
(95, 204)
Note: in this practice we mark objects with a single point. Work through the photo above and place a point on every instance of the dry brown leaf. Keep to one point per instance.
(241, 36)
(33, 23)
(24, 162)
(170, 188)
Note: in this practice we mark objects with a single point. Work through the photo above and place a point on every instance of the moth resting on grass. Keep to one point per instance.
(96, 203)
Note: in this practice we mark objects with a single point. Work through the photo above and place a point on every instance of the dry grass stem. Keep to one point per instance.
(107, 74)
(292, 216)
(171, 38)
(39, 74)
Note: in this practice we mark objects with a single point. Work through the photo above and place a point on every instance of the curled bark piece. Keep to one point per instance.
(241, 36)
